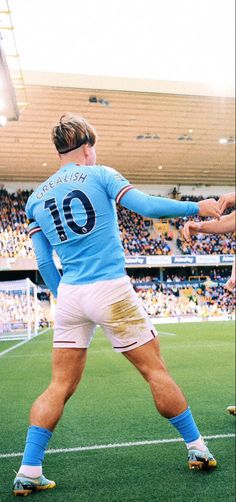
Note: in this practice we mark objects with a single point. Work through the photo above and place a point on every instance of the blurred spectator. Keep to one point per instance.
(207, 244)
(136, 238)
(14, 241)
(135, 234)
(168, 301)
(14, 311)
(201, 243)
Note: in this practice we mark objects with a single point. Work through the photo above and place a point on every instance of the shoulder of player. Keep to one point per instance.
(108, 169)
(29, 203)
(113, 173)
(101, 172)
(33, 197)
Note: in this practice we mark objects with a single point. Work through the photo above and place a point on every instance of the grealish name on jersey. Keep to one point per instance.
(76, 212)
(67, 178)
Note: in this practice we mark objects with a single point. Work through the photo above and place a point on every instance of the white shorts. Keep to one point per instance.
(112, 304)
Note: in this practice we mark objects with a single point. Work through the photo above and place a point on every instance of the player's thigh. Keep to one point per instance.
(68, 366)
(147, 358)
(149, 352)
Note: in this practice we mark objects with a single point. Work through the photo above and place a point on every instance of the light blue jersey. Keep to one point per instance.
(74, 213)
(75, 209)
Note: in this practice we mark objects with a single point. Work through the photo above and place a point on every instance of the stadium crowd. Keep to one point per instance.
(14, 240)
(199, 292)
(159, 300)
(202, 243)
(184, 274)
(14, 312)
(207, 244)
(136, 236)
(15, 243)
(202, 301)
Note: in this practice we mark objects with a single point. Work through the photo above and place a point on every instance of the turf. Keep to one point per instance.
(8, 344)
(113, 405)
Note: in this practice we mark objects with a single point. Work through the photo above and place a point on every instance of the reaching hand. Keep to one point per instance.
(227, 200)
(230, 284)
(190, 228)
(209, 207)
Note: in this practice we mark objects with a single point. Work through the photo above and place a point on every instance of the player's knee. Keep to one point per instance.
(64, 389)
(153, 375)
(69, 390)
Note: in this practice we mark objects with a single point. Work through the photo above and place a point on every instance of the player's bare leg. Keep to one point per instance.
(168, 397)
(170, 401)
(67, 370)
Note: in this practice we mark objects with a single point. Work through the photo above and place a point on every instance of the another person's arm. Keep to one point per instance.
(227, 200)
(224, 225)
(230, 284)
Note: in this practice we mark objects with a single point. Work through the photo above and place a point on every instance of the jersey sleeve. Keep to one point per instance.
(158, 207)
(47, 268)
(115, 184)
(33, 226)
(43, 252)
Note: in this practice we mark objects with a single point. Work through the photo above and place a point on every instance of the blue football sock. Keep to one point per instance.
(36, 445)
(185, 424)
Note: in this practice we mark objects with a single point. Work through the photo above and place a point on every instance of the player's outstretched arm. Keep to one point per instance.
(47, 268)
(160, 207)
(230, 285)
(227, 200)
(224, 225)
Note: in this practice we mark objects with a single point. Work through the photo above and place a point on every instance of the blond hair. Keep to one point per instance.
(71, 132)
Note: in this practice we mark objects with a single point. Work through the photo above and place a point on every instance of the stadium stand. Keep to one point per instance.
(171, 301)
(14, 241)
(14, 312)
(181, 275)
(202, 244)
(207, 244)
(137, 237)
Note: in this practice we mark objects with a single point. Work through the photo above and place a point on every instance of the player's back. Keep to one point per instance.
(76, 211)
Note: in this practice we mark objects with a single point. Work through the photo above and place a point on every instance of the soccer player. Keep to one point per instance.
(226, 224)
(74, 213)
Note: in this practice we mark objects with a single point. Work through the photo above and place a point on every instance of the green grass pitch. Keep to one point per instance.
(113, 405)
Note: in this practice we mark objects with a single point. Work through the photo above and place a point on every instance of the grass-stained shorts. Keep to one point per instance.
(112, 304)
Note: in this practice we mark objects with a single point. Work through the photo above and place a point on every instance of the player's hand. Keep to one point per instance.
(230, 284)
(190, 228)
(227, 200)
(209, 207)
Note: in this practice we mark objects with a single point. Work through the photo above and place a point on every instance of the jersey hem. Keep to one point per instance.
(80, 283)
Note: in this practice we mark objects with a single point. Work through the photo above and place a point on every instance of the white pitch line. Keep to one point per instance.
(21, 343)
(117, 445)
(13, 348)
